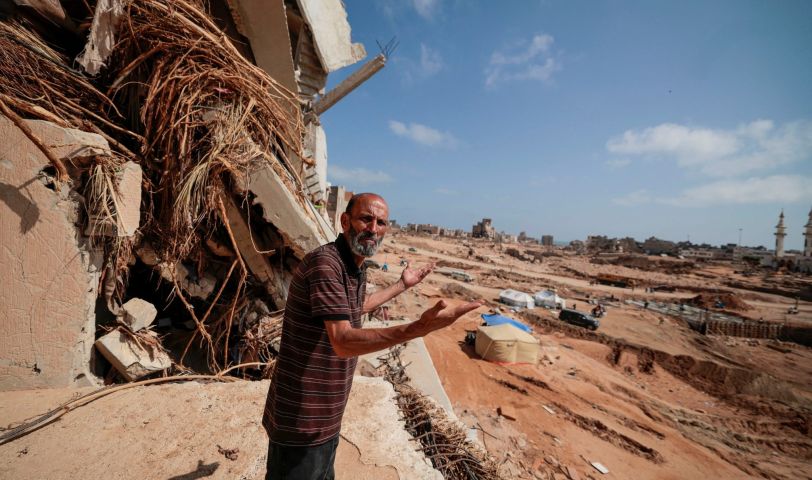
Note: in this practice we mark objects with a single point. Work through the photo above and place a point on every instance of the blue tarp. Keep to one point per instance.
(496, 319)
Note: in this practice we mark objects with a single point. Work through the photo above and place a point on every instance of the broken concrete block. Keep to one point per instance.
(102, 38)
(200, 287)
(302, 229)
(138, 314)
(130, 359)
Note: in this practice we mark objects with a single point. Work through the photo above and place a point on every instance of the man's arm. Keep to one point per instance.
(351, 342)
(409, 278)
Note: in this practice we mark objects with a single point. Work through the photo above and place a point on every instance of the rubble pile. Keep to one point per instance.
(191, 180)
(443, 440)
(729, 301)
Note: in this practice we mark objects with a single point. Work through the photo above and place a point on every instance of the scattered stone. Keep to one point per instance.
(507, 412)
(199, 287)
(138, 314)
(130, 359)
(230, 453)
(599, 467)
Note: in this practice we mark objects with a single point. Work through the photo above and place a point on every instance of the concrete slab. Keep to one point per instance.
(130, 359)
(302, 229)
(372, 423)
(331, 33)
(119, 437)
(50, 273)
(419, 367)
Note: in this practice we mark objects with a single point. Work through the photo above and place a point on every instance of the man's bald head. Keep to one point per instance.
(364, 223)
(358, 197)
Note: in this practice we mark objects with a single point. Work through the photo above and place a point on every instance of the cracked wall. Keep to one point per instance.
(49, 278)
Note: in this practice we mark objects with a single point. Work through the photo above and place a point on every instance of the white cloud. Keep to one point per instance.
(422, 134)
(445, 191)
(758, 145)
(357, 176)
(773, 189)
(615, 163)
(431, 62)
(638, 197)
(534, 61)
(426, 8)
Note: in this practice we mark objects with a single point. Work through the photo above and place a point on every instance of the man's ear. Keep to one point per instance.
(345, 221)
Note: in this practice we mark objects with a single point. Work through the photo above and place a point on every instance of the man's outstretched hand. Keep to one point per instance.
(412, 276)
(441, 315)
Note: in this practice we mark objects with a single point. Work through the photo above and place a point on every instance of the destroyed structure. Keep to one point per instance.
(163, 172)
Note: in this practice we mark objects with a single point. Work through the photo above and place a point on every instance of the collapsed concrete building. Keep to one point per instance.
(196, 192)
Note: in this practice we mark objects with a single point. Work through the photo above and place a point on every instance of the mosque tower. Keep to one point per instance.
(780, 233)
(808, 236)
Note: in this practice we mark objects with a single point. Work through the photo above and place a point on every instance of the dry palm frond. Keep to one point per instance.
(442, 440)
(204, 111)
(36, 82)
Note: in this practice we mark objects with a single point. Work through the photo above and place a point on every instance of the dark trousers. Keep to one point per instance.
(302, 463)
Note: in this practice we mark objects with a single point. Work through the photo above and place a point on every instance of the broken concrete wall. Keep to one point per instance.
(49, 278)
(264, 23)
(315, 145)
(331, 33)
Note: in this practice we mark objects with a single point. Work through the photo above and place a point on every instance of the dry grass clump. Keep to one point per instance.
(442, 440)
(204, 111)
(36, 82)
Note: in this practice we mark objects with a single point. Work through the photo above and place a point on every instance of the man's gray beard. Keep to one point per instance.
(361, 249)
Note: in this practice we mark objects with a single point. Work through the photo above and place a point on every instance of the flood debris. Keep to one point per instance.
(444, 441)
(132, 358)
(189, 138)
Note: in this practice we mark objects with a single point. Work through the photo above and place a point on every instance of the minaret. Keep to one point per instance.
(780, 233)
(808, 236)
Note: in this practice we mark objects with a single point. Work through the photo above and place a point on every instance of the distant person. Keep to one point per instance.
(322, 337)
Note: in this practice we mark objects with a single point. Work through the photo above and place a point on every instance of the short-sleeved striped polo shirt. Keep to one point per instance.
(311, 384)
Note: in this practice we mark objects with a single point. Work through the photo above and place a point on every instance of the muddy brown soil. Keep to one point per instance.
(644, 395)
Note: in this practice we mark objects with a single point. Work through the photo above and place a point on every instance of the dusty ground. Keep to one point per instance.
(645, 396)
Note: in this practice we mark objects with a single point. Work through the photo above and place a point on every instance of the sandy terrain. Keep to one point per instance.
(645, 396)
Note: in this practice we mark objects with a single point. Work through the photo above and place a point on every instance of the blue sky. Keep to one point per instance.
(574, 118)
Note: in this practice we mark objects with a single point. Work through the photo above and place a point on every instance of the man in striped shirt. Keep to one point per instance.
(322, 338)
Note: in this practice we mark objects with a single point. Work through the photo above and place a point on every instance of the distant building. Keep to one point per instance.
(601, 243)
(698, 254)
(428, 229)
(547, 240)
(780, 233)
(628, 245)
(483, 229)
(337, 198)
(655, 246)
(507, 238)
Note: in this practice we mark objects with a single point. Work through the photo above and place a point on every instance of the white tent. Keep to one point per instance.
(549, 299)
(516, 299)
(506, 344)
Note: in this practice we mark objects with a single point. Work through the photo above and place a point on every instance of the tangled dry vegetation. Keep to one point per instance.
(442, 440)
(178, 99)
